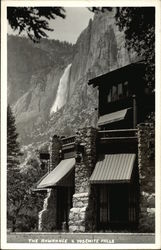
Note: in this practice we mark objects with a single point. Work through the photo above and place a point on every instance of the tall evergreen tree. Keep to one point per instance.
(13, 173)
(22, 204)
(13, 147)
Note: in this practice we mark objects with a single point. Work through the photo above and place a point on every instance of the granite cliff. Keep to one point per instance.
(100, 48)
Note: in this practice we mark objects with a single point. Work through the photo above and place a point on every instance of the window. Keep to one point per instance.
(125, 89)
(117, 206)
(114, 93)
(118, 92)
(109, 96)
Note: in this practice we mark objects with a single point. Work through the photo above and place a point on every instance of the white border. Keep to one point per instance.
(79, 3)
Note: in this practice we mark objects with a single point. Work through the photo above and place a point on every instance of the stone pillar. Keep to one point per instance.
(82, 216)
(54, 151)
(47, 217)
(146, 163)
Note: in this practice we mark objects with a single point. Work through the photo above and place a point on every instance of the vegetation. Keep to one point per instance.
(22, 204)
(13, 147)
(139, 26)
(13, 173)
(33, 20)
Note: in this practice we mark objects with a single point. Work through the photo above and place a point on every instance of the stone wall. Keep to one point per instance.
(47, 217)
(54, 151)
(82, 216)
(146, 163)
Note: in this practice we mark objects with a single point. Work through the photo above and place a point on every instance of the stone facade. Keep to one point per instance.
(81, 217)
(47, 217)
(146, 163)
(54, 150)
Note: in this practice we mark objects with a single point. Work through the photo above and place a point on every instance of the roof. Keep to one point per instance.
(120, 73)
(57, 174)
(34, 188)
(112, 117)
(113, 168)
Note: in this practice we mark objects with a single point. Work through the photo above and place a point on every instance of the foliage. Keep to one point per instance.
(100, 9)
(13, 176)
(138, 24)
(13, 147)
(33, 20)
(22, 204)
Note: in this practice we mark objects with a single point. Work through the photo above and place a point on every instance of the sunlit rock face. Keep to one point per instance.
(57, 98)
(99, 49)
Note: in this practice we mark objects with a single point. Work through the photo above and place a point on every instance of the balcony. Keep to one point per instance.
(119, 135)
(68, 142)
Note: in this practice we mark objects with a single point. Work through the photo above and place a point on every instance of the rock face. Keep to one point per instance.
(34, 71)
(29, 64)
(99, 49)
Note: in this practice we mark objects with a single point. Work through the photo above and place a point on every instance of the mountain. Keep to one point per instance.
(34, 71)
(47, 82)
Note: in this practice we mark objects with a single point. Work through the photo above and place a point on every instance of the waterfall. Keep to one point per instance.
(62, 92)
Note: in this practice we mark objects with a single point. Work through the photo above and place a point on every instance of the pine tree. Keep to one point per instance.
(13, 147)
(21, 202)
(13, 173)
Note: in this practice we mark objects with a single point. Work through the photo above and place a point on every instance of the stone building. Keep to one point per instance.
(103, 179)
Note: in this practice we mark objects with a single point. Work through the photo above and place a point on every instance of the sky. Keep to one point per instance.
(68, 29)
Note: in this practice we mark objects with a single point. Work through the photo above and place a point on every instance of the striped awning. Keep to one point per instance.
(112, 117)
(113, 168)
(57, 174)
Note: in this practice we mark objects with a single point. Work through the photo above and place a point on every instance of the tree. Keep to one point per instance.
(33, 20)
(22, 204)
(13, 147)
(13, 173)
(138, 24)
(28, 203)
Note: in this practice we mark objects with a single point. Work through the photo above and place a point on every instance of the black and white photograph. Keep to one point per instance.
(80, 125)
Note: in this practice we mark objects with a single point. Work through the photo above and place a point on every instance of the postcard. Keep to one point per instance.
(80, 123)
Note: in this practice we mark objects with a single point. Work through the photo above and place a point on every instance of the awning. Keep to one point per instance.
(113, 168)
(57, 174)
(112, 117)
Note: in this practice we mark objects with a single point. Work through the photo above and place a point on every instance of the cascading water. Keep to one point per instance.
(62, 92)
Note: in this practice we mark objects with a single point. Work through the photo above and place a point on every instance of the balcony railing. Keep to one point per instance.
(119, 134)
(68, 142)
